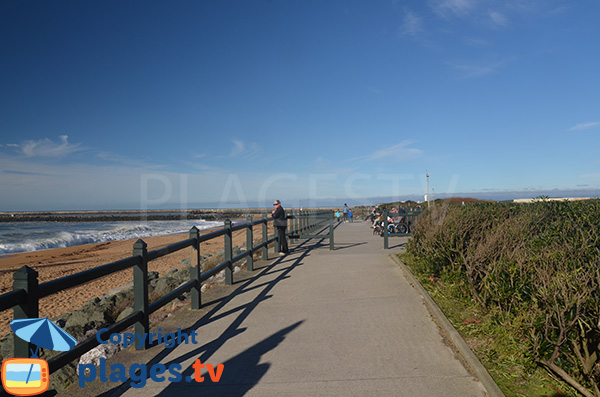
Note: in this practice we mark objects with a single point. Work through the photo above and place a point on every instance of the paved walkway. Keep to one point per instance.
(320, 323)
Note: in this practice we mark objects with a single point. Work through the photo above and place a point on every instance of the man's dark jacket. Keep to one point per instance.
(279, 216)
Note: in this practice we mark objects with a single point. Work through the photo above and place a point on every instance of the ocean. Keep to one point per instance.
(18, 237)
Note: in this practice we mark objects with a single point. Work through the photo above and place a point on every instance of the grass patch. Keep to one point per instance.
(497, 339)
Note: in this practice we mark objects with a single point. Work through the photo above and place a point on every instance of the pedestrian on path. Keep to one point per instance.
(345, 212)
(338, 215)
(280, 225)
(350, 214)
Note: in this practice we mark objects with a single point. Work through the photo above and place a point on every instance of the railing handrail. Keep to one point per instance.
(12, 299)
(408, 218)
(26, 292)
(71, 281)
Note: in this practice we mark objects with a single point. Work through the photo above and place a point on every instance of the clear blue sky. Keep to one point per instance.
(144, 104)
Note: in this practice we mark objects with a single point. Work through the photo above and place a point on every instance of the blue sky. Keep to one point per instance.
(154, 104)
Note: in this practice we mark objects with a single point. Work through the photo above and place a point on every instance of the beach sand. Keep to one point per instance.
(59, 262)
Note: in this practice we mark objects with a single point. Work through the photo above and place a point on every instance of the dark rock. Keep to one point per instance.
(164, 285)
(84, 320)
(125, 313)
(185, 262)
(152, 276)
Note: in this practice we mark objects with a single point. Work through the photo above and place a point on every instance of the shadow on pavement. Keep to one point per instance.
(240, 373)
(243, 371)
(399, 245)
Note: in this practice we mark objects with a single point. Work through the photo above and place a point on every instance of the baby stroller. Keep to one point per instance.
(398, 225)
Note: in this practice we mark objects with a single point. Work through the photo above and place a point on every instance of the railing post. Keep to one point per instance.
(385, 229)
(195, 269)
(265, 250)
(306, 221)
(249, 244)
(140, 294)
(289, 221)
(228, 252)
(26, 279)
(295, 230)
(331, 243)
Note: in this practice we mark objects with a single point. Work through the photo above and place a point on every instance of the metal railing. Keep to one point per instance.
(27, 293)
(407, 223)
(301, 220)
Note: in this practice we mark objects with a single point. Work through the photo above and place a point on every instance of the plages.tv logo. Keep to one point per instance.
(30, 376)
(140, 373)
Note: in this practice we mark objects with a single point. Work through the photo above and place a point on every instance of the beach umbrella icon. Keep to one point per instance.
(43, 333)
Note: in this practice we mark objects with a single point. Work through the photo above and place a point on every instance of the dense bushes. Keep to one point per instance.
(539, 262)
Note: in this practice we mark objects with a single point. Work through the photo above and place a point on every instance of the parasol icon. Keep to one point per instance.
(43, 333)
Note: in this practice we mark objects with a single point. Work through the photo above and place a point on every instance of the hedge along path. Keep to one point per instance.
(539, 261)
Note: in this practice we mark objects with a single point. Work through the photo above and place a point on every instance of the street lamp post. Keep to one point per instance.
(428, 203)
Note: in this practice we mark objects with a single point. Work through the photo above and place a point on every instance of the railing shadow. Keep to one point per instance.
(241, 373)
(399, 245)
(343, 246)
(205, 351)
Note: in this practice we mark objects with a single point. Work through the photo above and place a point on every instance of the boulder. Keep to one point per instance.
(128, 311)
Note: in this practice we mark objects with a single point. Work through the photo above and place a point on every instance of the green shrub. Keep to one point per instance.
(537, 261)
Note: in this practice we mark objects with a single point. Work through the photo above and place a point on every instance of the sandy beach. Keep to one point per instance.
(55, 263)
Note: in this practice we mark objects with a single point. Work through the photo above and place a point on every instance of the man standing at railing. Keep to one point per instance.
(280, 224)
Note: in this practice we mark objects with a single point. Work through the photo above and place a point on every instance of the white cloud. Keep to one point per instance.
(476, 42)
(249, 151)
(201, 167)
(558, 10)
(412, 24)
(128, 161)
(584, 126)
(47, 148)
(324, 164)
(498, 18)
(452, 8)
(474, 69)
(399, 152)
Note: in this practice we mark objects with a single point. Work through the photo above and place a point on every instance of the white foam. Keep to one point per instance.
(70, 234)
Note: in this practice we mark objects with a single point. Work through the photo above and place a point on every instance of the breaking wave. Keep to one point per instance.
(35, 236)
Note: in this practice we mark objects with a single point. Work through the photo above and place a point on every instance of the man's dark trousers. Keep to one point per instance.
(283, 245)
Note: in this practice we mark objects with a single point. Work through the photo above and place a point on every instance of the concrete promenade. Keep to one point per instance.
(314, 323)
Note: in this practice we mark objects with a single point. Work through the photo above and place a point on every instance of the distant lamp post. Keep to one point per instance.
(428, 203)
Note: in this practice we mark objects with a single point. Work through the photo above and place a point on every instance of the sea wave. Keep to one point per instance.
(71, 235)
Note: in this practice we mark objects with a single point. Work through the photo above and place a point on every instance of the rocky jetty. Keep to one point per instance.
(119, 216)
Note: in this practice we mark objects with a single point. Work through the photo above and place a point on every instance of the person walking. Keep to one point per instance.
(345, 212)
(280, 223)
(350, 214)
(338, 215)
